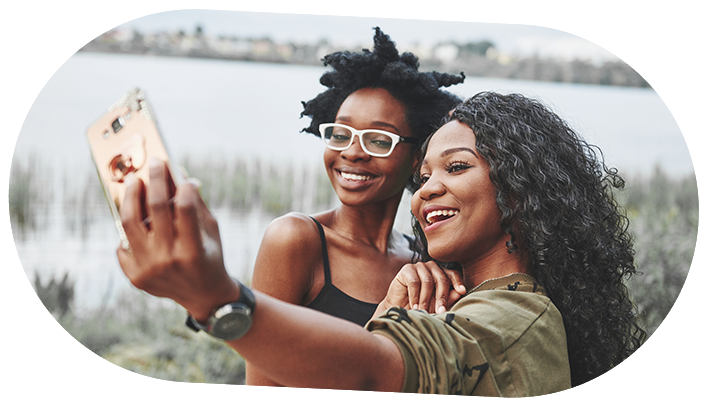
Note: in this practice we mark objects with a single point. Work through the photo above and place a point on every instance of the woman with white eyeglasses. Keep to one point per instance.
(376, 112)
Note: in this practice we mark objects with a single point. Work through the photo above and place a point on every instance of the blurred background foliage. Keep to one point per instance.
(147, 335)
(276, 188)
(28, 197)
(663, 215)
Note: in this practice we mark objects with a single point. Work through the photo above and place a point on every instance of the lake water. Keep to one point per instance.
(223, 110)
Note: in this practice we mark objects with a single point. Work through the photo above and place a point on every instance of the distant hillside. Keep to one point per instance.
(474, 59)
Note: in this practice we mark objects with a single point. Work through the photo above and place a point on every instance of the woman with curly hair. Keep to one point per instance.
(376, 112)
(510, 194)
(558, 211)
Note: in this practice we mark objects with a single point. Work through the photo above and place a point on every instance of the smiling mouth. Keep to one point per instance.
(440, 215)
(355, 177)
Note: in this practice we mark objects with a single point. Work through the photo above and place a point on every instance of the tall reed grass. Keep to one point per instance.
(29, 196)
(276, 188)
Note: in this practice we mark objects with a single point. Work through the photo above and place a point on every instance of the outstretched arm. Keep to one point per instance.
(178, 255)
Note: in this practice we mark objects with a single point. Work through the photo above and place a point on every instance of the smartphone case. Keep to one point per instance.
(122, 141)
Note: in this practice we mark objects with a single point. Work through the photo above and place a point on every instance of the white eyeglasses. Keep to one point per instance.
(376, 143)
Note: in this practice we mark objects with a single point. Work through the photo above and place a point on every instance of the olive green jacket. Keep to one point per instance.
(504, 338)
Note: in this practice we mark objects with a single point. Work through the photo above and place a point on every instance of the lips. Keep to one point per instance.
(433, 215)
(355, 175)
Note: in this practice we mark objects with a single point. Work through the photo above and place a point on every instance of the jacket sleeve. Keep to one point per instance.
(441, 352)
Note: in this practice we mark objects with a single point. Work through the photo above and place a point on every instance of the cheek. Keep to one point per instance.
(396, 173)
(404, 174)
(492, 214)
(403, 168)
(329, 158)
(329, 155)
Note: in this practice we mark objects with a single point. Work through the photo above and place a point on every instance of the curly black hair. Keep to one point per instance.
(426, 105)
(555, 194)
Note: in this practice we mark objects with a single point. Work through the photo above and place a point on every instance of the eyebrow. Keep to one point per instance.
(374, 123)
(453, 151)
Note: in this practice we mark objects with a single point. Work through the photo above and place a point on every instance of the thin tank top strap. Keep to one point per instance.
(333, 301)
(325, 257)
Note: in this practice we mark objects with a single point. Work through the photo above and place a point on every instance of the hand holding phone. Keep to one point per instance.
(123, 141)
(180, 255)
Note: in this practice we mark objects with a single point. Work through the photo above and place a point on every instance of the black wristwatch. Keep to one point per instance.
(230, 321)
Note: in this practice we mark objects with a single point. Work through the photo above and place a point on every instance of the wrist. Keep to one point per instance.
(229, 291)
(229, 321)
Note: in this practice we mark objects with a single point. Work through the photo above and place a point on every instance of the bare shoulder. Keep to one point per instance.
(292, 229)
(287, 258)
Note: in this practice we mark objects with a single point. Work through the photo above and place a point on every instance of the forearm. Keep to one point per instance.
(178, 256)
(261, 386)
(299, 347)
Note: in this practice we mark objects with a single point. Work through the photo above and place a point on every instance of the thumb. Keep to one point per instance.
(457, 281)
(453, 297)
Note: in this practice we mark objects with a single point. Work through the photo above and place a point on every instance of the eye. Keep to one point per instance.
(457, 166)
(421, 179)
(382, 143)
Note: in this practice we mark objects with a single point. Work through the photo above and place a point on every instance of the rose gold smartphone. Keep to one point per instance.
(122, 141)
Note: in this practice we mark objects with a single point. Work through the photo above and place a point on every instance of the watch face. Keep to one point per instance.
(232, 323)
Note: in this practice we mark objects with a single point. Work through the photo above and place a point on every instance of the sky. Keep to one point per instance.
(595, 35)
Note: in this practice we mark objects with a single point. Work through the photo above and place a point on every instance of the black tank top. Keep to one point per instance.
(331, 300)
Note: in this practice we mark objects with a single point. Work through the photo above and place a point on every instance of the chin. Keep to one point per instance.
(441, 254)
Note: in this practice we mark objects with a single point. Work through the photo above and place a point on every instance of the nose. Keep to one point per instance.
(432, 188)
(355, 152)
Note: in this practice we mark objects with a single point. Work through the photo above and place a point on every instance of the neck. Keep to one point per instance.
(369, 224)
(495, 264)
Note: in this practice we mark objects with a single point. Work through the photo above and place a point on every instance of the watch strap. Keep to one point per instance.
(245, 297)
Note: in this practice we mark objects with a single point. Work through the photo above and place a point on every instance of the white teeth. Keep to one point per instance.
(445, 212)
(355, 177)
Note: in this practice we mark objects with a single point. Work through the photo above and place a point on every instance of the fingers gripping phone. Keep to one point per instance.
(123, 141)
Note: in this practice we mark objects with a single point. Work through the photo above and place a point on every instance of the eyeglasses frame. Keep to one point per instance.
(395, 137)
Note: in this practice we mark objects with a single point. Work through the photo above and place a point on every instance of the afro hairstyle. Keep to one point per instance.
(425, 103)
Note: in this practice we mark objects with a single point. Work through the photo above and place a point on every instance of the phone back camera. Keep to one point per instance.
(117, 124)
